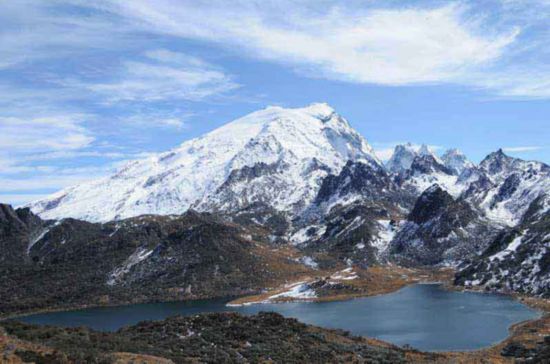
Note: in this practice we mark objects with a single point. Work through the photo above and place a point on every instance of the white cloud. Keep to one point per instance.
(522, 149)
(146, 118)
(172, 122)
(164, 75)
(44, 182)
(50, 133)
(20, 199)
(363, 42)
(385, 46)
(49, 178)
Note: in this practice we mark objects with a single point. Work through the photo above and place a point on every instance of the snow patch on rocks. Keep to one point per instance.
(138, 256)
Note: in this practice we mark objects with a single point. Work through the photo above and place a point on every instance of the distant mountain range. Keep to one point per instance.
(301, 178)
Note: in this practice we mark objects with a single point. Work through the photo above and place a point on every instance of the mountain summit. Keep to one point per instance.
(402, 158)
(455, 160)
(275, 156)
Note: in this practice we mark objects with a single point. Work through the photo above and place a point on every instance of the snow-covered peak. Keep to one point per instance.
(319, 110)
(455, 160)
(402, 158)
(497, 163)
(294, 149)
(507, 186)
(499, 166)
(425, 151)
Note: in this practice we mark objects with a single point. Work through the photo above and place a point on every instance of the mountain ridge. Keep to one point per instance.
(309, 180)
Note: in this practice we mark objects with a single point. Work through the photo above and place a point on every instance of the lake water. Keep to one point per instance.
(424, 316)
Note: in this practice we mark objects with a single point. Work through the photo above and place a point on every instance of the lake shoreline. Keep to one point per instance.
(374, 281)
(415, 275)
(526, 333)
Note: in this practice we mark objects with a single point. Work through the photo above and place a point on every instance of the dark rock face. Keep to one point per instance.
(500, 166)
(430, 204)
(264, 220)
(439, 230)
(144, 258)
(427, 164)
(508, 188)
(349, 208)
(247, 174)
(18, 229)
(425, 170)
(370, 182)
(237, 191)
(479, 184)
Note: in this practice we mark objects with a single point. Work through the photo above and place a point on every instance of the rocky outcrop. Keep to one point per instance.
(440, 231)
(19, 230)
(518, 259)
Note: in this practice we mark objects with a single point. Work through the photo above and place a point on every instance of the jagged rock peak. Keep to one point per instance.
(495, 162)
(425, 150)
(7, 212)
(500, 165)
(404, 156)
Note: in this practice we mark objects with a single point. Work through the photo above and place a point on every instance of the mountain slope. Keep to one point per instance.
(504, 187)
(518, 259)
(276, 156)
(309, 181)
(440, 230)
(194, 255)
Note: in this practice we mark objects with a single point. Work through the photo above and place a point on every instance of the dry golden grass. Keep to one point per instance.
(9, 344)
(369, 282)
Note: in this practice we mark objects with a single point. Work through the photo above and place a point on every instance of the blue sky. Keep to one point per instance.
(87, 85)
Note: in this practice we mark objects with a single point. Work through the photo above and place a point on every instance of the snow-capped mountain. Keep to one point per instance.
(424, 150)
(426, 170)
(504, 187)
(518, 259)
(418, 168)
(402, 158)
(456, 161)
(305, 178)
(275, 156)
